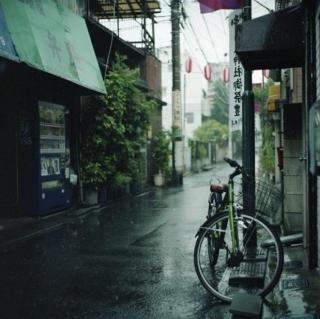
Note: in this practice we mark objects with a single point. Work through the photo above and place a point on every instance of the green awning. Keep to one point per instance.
(51, 38)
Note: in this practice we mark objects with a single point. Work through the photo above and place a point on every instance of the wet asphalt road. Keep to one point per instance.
(133, 259)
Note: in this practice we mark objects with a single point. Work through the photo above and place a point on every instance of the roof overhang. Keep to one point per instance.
(273, 41)
(106, 9)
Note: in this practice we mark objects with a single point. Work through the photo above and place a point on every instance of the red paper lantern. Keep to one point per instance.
(207, 72)
(188, 65)
(226, 75)
(266, 73)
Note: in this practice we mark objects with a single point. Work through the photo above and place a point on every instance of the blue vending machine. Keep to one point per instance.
(54, 151)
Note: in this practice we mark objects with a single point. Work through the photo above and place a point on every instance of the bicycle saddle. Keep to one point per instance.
(218, 188)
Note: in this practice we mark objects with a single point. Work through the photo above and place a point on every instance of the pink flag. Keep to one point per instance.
(207, 6)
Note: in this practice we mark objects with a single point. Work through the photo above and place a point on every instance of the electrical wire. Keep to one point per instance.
(262, 5)
(211, 40)
(222, 22)
(191, 50)
(111, 43)
(192, 16)
(190, 26)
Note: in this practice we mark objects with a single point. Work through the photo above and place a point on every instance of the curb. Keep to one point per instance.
(11, 242)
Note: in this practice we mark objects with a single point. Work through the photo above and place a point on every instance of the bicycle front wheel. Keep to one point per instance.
(257, 267)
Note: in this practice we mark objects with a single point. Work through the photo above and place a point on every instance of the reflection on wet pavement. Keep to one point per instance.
(132, 259)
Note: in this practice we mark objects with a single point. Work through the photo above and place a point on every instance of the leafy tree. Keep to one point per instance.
(261, 97)
(267, 150)
(114, 128)
(212, 131)
(220, 105)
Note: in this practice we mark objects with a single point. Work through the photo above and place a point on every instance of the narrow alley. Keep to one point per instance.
(132, 259)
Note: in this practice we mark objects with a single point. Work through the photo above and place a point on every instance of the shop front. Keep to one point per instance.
(57, 65)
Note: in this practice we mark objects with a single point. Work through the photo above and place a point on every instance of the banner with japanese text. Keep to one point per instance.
(236, 84)
(51, 38)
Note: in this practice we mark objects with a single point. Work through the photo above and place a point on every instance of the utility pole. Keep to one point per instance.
(248, 134)
(177, 137)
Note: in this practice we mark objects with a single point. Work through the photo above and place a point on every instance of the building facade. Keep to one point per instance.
(298, 108)
(52, 54)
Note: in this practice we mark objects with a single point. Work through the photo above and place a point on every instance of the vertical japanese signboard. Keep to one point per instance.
(236, 77)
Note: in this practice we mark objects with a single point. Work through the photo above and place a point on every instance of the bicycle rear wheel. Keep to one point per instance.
(260, 267)
(215, 204)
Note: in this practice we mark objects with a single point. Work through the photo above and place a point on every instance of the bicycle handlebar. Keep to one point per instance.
(232, 162)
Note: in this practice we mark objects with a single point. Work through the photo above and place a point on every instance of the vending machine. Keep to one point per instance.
(54, 158)
(45, 160)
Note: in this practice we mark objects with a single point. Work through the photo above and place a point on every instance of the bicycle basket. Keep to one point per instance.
(268, 201)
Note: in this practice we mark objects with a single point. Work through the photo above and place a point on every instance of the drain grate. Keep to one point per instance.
(294, 264)
(299, 283)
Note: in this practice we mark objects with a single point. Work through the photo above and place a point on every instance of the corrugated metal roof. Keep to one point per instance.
(126, 8)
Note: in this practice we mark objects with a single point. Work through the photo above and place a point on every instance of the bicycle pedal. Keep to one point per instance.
(248, 274)
(255, 255)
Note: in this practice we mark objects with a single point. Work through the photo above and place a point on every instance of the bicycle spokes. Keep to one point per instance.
(252, 268)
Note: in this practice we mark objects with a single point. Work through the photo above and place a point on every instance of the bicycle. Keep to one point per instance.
(236, 251)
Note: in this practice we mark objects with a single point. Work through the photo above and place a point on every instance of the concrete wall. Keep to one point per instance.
(293, 168)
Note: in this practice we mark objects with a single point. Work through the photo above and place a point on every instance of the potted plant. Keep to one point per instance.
(93, 177)
(160, 156)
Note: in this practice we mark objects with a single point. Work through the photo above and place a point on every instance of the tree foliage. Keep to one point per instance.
(220, 105)
(267, 163)
(212, 131)
(114, 128)
(161, 152)
(215, 130)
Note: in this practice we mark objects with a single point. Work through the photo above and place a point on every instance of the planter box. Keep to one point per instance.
(159, 180)
(90, 196)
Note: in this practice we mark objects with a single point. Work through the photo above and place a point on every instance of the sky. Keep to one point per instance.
(205, 37)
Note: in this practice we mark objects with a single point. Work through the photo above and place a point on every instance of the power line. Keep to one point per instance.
(211, 40)
(111, 43)
(192, 53)
(189, 24)
(262, 5)
(210, 37)
(222, 22)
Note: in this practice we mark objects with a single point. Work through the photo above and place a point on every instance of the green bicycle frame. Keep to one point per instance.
(232, 221)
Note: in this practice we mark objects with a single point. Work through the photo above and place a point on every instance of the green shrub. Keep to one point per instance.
(114, 129)
(161, 153)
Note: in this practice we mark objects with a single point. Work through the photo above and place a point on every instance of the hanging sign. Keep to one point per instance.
(188, 65)
(236, 76)
(207, 72)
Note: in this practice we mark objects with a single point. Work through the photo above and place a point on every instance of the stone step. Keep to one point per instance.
(246, 306)
(248, 274)
(255, 255)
